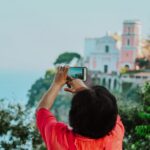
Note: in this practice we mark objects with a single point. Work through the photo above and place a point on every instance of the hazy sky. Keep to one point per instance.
(34, 32)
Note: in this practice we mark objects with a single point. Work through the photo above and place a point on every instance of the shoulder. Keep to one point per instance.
(43, 117)
(61, 135)
(119, 125)
(56, 134)
(118, 128)
(117, 134)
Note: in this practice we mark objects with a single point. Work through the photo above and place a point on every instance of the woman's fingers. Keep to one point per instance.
(69, 90)
(69, 79)
(63, 68)
(66, 70)
(68, 84)
(58, 68)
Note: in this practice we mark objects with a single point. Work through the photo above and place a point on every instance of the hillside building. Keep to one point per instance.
(110, 53)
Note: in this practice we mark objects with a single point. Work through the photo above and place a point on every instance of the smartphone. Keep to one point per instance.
(78, 73)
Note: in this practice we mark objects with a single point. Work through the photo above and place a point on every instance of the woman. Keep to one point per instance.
(93, 117)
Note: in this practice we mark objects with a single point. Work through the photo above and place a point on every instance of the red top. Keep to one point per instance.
(57, 135)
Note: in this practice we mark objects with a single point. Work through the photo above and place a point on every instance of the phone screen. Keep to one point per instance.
(77, 72)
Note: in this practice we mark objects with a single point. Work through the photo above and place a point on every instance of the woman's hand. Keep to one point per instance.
(61, 76)
(75, 85)
(49, 97)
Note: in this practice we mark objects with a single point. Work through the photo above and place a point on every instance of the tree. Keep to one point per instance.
(42, 84)
(136, 119)
(143, 130)
(40, 87)
(66, 58)
(145, 53)
(18, 129)
(14, 130)
(62, 102)
(143, 63)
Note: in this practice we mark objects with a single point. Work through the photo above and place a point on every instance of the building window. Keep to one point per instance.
(127, 66)
(105, 68)
(109, 83)
(128, 42)
(128, 29)
(104, 82)
(106, 48)
(115, 84)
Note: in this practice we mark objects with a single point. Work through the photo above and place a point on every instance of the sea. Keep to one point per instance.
(14, 85)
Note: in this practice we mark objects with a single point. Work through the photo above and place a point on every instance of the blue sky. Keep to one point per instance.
(34, 32)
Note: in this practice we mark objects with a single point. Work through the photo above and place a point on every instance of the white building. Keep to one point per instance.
(108, 54)
(102, 54)
(111, 53)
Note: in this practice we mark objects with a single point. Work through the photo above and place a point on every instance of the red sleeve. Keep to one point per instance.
(118, 134)
(120, 124)
(56, 135)
(43, 118)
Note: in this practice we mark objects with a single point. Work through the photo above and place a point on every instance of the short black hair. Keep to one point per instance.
(93, 112)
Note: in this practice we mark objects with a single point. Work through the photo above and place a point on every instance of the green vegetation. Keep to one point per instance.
(143, 63)
(135, 115)
(143, 129)
(66, 58)
(17, 128)
(18, 131)
(42, 84)
(39, 87)
(20, 126)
